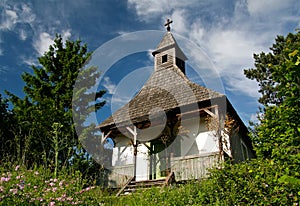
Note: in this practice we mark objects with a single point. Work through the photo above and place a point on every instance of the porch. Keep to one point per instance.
(184, 168)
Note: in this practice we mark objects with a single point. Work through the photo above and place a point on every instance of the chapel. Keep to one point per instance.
(173, 126)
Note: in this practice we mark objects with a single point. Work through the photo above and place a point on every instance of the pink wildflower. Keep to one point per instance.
(21, 186)
(51, 184)
(54, 189)
(17, 167)
(61, 183)
(36, 173)
(5, 179)
(14, 191)
(35, 187)
(18, 177)
(55, 180)
(51, 203)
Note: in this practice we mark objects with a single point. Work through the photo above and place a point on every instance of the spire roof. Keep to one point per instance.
(168, 41)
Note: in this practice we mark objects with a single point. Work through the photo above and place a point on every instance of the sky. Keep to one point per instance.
(226, 32)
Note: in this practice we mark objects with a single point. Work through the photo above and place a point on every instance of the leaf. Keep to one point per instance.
(286, 179)
(294, 53)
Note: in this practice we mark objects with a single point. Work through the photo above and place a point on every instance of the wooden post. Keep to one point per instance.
(150, 161)
(135, 154)
(134, 133)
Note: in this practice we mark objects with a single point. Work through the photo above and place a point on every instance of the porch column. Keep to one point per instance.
(134, 133)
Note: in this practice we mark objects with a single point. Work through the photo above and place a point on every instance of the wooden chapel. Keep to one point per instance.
(173, 125)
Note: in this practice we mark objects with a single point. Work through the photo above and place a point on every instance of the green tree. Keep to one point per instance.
(48, 101)
(6, 136)
(278, 74)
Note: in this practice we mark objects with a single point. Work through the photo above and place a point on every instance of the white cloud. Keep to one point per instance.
(43, 42)
(109, 85)
(19, 13)
(267, 7)
(149, 9)
(228, 32)
(23, 34)
(10, 18)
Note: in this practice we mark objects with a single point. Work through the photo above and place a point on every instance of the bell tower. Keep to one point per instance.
(168, 53)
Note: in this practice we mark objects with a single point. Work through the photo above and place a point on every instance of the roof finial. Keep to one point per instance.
(167, 24)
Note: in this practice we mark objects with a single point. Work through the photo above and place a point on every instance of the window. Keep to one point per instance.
(180, 64)
(164, 58)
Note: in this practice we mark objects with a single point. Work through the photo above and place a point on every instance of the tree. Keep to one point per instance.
(6, 136)
(48, 101)
(277, 136)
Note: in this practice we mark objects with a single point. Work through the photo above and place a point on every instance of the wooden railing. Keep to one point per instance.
(184, 168)
(194, 166)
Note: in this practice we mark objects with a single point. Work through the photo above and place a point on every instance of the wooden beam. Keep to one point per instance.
(198, 110)
(105, 136)
(209, 112)
(133, 132)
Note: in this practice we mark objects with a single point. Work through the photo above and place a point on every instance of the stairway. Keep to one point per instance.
(132, 185)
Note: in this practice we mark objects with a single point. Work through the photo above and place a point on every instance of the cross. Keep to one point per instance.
(167, 24)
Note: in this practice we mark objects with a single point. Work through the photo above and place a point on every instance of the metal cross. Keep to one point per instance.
(167, 24)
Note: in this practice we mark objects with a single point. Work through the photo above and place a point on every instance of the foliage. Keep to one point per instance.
(278, 73)
(47, 102)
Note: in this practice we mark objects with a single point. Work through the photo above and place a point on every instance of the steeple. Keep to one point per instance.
(168, 53)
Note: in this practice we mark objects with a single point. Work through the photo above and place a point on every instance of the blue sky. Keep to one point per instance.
(228, 32)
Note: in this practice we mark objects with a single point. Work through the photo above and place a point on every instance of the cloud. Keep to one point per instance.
(109, 85)
(229, 32)
(258, 7)
(43, 42)
(149, 9)
(9, 20)
(19, 13)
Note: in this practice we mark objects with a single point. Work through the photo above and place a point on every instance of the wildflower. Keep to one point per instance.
(35, 187)
(69, 198)
(14, 191)
(51, 203)
(1, 188)
(61, 183)
(55, 180)
(17, 167)
(54, 189)
(4, 179)
(36, 173)
(21, 186)
(51, 184)
(18, 177)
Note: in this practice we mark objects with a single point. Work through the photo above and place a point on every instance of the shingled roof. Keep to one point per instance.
(167, 88)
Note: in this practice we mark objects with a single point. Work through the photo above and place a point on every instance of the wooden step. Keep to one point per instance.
(133, 185)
